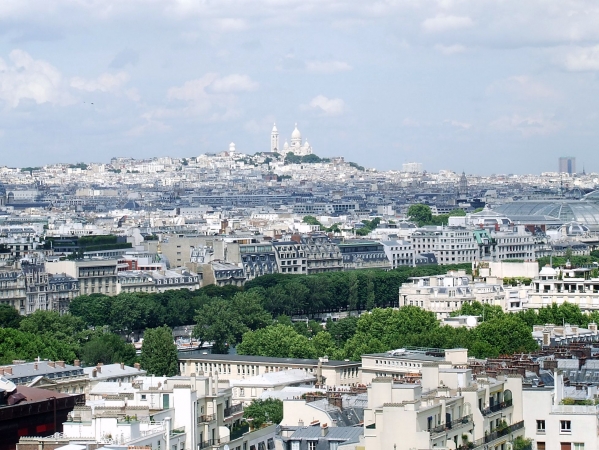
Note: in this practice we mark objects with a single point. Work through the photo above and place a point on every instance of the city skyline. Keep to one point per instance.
(455, 85)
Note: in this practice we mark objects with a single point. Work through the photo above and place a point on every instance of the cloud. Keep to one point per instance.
(527, 126)
(230, 24)
(261, 126)
(442, 23)
(450, 49)
(106, 82)
(124, 57)
(327, 106)
(327, 66)
(582, 59)
(457, 124)
(24, 78)
(234, 83)
(522, 86)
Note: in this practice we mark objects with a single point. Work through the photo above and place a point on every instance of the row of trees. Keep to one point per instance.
(422, 215)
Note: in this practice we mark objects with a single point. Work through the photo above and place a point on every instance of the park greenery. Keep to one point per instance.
(256, 319)
(261, 412)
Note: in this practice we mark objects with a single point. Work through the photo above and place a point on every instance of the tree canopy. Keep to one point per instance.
(159, 352)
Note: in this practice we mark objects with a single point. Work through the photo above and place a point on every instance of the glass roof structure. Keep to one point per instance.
(585, 212)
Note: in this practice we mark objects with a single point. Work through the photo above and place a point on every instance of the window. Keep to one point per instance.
(295, 445)
(540, 445)
(333, 445)
(540, 426)
(565, 426)
(312, 445)
(578, 446)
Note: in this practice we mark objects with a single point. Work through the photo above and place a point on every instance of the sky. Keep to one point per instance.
(482, 86)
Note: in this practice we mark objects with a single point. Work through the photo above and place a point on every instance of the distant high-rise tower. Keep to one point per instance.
(463, 186)
(567, 164)
(274, 139)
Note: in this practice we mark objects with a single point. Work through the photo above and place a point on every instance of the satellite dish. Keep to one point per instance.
(471, 321)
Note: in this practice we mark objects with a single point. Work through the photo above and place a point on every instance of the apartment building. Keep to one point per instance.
(399, 252)
(290, 257)
(95, 276)
(239, 367)
(448, 408)
(575, 286)
(13, 290)
(443, 294)
(362, 254)
(450, 245)
(322, 255)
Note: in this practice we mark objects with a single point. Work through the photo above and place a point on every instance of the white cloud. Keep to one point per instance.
(106, 82)
(327, 66)
(261, 126)
(442, 23)
(24, 78)
(234, 83)
(450, 49)
(327, 106)
(532, 125)
(582, 59)
(458, 124)
(522, 86)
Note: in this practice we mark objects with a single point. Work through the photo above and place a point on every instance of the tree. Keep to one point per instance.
(219, 323)
(9, 317)
(490, 338)
(421, 214)
(264, 411)
(107, 349)
(281, 341)
(159, 352)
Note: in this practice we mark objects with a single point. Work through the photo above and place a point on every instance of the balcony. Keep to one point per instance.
(495, 408)
(233, 409)
(239, 431)
(209, 443)
(489, 438)
(206, 418)
(458, 423)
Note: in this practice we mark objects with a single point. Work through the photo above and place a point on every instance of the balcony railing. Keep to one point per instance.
(497, 407)
(497, 435)
(450, 425)
(206, 418)
(239, 431)
(209, 443)
(234, 409)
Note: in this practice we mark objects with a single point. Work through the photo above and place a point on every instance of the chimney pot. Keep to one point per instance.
(94, 373)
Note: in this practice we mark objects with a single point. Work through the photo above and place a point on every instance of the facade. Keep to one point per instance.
(56, 376)
(443, 294)
(407, 364)
(95, 276)
(553, 425)
(257, 259)
(512, 243)
(447, 409)
(222, 273)
(135, 281)
(290, 257)
(321, 254)
(239, 367)
(399, 253)
(13, 291)
(363, 255)
(450, 245)
(558, 286)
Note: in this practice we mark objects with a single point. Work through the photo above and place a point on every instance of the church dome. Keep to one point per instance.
(296, 133)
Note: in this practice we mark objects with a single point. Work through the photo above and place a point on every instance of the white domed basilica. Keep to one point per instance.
(296, 147)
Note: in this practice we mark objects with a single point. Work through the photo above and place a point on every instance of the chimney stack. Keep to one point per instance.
(99, 367)
(35, 366)
(8, 370)
(94, 373)
(51, 364)
(324, 429)
(1, 371)
(137, 366)
(77, 363)
(122, 366)
(60, 364)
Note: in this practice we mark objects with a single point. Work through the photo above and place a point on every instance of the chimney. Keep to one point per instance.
(122, 366)
(51, 364)
(94, 373)
(137, 366)
(77, 363)
(34, 366)
(60, 364)
(593, 326)
(546, 338)
(324, 429)
(99, 367)
(8, 370)
(1, 371)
